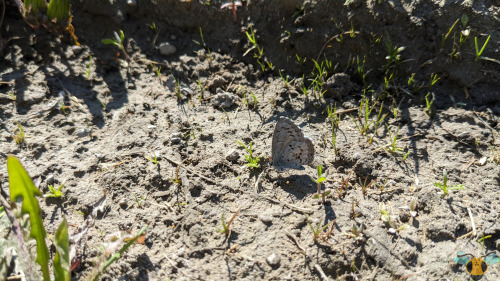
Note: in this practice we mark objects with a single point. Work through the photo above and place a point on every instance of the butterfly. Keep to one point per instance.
(290, 148)
(476, 267)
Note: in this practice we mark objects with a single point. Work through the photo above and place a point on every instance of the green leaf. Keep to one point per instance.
(109, 41)
(58, 9)
(61, 259)
(21, 185)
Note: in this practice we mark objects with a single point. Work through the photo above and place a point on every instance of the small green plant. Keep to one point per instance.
(118, 41)
(89, 67)
(175, 178)
(284, 79)
(480, 52)
(152, 26)
(258, 51)
(334, 122)
(428, 104)
(354, 214)
(361, 69)
(444, 185)
(482, 239)
(54, 192)
(157, 70)
(393, 148)
(208, 52)
(304, 89)
(178, 90)
(253, 162)
(393, 57)
(356, 233)
(343, 184)
(319, 181)
(226, 227)
(153, 159)
(200, 86)
(318, 231)
(63, 106)
(445, 37)
(365, 185)
(19, 137)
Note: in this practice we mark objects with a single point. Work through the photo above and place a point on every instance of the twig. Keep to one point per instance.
(304, 252)
(486, 124)
(472, 221)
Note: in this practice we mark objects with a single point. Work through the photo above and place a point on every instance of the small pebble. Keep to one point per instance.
(167, 49)
(83, 132)
(232, 155)
(176, 138)
(224, 100)
(273, 259)
(265, 219)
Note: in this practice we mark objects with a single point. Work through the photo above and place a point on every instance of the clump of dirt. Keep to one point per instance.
(195, 85)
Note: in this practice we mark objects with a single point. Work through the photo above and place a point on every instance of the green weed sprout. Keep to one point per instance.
(54, 192)
(480, 52)
(259, 52)
(319, 180)
(318, 231)
(19, 137)
(393, 148)
(253, 162)
(444, 185)
(386, 218)
(153, 159)
(284, 79)
(89, 67)
(428, 104)
(482, 239)
(356, 233)
(226, 226)
(118, 42)
(204, 46)
(334, 120)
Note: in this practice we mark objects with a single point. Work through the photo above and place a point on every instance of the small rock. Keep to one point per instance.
(131, 2)
(338, 86)
(176, 138)
(266, 219)
(224, 100)
(232, 155)
(167, 49)
(76, 49)
(273, 259)
(50, 179)
(122, 202)
(206, 136)
(404, 217)
(83, 132)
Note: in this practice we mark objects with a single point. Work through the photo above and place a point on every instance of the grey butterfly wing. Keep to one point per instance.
(290, 149)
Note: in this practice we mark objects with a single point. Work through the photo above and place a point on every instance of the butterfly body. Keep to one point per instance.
(290, 148)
